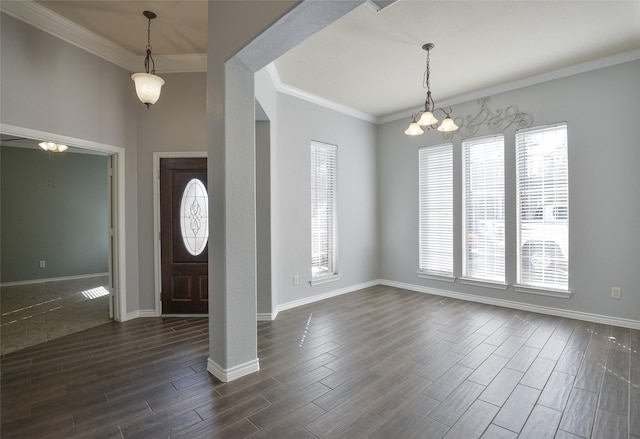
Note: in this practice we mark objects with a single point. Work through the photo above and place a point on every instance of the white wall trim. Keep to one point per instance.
(266, 316)
(48, 21)
(559, 312)
(226, 375)
(140, 313)
(52, 279)
(318, 297)
(120, 306)
(315, 99)
(156, 216)
(601, 63)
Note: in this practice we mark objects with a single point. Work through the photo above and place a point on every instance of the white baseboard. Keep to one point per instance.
(52, 279)
(327, 295)
(226, 375)
(140, 313)
(267, 316)
(559, 312)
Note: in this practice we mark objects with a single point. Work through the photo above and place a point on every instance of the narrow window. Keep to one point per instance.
(323, 211)
(543, 207)
(483, 209)
(436, 210)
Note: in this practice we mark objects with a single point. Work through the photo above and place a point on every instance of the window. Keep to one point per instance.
(323, 211)
(483, 209)
(543, 207)
(436, 210)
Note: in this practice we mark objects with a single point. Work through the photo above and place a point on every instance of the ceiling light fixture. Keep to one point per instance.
(148, 85)
(425, 120)
(53, 147)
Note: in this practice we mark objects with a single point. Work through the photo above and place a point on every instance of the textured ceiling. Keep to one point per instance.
(180, 26)
(373, 62)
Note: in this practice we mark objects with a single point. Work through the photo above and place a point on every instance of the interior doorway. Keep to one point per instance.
(61, 275)
(115, 209)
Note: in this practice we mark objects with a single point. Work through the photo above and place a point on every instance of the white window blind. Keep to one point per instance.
(436, 210)
(543, 207)
(483, 209)
(323, 209)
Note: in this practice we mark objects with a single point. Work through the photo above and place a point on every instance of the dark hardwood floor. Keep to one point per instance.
(377, 363)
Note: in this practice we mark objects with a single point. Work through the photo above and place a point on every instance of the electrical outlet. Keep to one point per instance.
(43, 264)
(296, 280)
(615, 293)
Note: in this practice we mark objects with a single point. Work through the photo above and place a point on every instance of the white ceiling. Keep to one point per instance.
(373, 62)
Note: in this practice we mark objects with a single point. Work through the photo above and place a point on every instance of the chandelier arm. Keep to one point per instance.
(424, 118)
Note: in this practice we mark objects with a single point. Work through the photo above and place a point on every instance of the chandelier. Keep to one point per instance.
(148, 85)
(424, 120)
(51, 148)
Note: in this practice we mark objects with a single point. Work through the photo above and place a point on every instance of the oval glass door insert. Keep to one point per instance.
(194, 217)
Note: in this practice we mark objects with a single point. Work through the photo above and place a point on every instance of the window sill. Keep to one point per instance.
(561, 294)
(324, 279)
(484, 283)
(445, 278)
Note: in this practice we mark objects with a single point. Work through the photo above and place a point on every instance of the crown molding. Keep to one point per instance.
(54, 24)
(48, 21)
(601, 63)
(315, 99)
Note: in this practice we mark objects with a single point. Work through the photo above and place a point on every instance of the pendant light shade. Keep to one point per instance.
(447, 125)
(148, 85)
(427, 119)
(414, 129)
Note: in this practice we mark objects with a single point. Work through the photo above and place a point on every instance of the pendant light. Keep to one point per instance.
(425, 120)
(148, 85)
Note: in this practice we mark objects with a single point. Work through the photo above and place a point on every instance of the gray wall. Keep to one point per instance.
(56, 99)
(49, 85)
(176, 123)
(263, 216)
(298, 123)
(66, 226)
(602, 110)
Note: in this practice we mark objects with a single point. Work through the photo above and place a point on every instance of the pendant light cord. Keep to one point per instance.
(426, 83)
(148, 60)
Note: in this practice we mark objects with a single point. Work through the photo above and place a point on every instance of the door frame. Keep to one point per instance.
(157, 257)
(117, 244)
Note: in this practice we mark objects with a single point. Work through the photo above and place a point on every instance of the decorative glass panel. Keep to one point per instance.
(194, 217)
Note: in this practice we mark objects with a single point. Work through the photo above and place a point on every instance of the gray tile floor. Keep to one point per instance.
(379, 363)
(39, 312)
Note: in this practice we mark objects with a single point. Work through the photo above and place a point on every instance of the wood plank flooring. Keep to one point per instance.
(377, 363)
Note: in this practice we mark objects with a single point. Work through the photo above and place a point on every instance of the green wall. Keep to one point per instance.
(66, 226)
